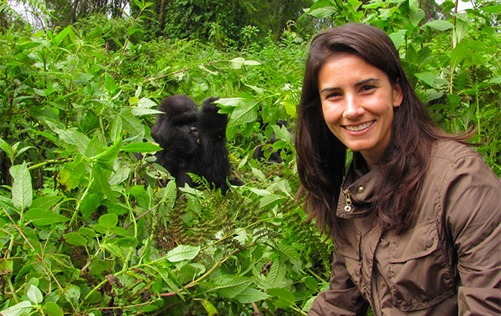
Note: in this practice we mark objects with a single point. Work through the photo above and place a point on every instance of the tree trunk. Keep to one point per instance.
(161, 17)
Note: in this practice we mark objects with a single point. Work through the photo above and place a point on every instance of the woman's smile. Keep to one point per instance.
(360, 127)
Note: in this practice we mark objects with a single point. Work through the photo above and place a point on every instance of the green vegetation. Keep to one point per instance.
(88, 229)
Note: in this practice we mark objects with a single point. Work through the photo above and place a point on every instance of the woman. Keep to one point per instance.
(415, 218)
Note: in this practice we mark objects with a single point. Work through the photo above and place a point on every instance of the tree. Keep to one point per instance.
(221, 21)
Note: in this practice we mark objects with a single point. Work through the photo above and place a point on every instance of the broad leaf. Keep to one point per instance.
(183, 252)
(34, 295)
(23, 308)
(52, 309)
(251, 295)
(440, 25)
(233, 287)
(41, 217)
(22, 195)
(75, 239)
(108, 220)
(285, 298)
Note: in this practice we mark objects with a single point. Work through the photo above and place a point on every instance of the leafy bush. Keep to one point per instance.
(86, 227)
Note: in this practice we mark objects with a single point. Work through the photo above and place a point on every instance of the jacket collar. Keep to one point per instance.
(357, 189)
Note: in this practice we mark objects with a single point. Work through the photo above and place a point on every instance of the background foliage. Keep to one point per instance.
(86, 228)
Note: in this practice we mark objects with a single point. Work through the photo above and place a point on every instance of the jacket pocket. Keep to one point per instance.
(419, 276)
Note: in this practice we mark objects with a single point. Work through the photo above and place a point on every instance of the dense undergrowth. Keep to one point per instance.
(87, 228)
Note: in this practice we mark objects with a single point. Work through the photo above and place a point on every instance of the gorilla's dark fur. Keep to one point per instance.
(192, 141)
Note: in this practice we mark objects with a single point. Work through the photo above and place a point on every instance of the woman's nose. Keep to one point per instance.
(353, 107)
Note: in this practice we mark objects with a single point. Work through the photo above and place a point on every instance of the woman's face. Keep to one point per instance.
(357, 104)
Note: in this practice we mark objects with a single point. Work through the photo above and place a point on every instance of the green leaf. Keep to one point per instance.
(276, 275)
(6, 266)
(40, 217)
(116, 129)
(188, 272)
(398, 38)
(495, 79)
(113, 249)
(52, 309)
(132, 125)
(72, 293)
(108, 155)
(75, 239)
(209, 308)
(23, 308)
(310, 283)
(62, 35)
(440, 25)
(7, 149)
(73, 137)
(270, 200)
(238, 62)
(89, 204)
(426, 77)
(251, 295)
(22, 195)
(101, 173)
(34, 295)
(110, 85)
(86, 231)
(285, 298)
(244, 113)
(183, 252)
(492, 9)
(146, 103)
(232, 287)
(126, 242)
(46, 202)
(98, 266)
(322, 13)
(164, 274)
(141, 148)
(143, 111)
(167, 194)
(108, 220)
(233, 102)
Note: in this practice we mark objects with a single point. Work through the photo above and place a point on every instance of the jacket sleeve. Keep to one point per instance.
(472, 208)
(342, 298)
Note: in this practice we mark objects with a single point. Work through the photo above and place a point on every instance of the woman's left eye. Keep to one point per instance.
(367, 88)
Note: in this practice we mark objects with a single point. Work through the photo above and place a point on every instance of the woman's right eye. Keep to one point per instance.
(332, 95)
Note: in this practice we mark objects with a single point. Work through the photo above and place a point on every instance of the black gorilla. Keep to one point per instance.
(192, 141)
(213, 161)
(177, 133)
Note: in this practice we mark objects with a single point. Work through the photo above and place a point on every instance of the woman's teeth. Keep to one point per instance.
(358, 128)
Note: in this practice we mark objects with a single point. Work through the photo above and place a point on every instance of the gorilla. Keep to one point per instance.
(193, 141)
(177, 133)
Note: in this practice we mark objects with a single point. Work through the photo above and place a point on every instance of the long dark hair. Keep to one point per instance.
(321, 157)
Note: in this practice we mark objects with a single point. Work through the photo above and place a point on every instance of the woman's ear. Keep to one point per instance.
(398, 94)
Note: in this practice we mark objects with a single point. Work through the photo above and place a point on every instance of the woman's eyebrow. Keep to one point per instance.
(366, 81)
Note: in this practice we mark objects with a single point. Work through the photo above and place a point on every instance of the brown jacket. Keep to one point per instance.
(447, 263)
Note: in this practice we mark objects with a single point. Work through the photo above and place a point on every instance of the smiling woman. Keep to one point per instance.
(357, 104)
(416, 217)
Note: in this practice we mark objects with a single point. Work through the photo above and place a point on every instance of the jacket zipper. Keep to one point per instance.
(347, 204)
